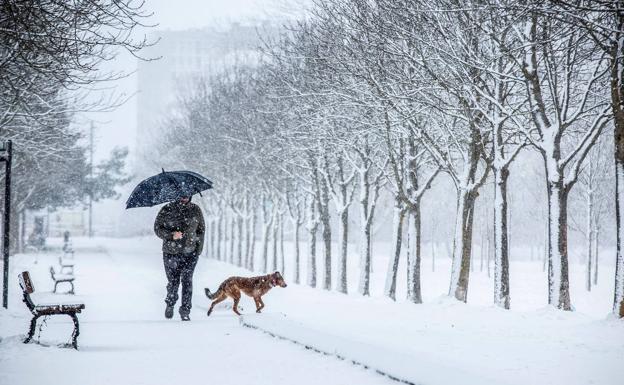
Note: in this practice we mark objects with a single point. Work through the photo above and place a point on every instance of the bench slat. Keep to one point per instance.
(59, 309)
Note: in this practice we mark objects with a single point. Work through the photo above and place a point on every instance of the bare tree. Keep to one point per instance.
(561, 86)
(603, 23)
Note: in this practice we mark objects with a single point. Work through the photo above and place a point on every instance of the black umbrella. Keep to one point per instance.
(168, 186)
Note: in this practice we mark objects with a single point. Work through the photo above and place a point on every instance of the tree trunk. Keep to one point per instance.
(213, 238)
(501, 250)
(365, 251)
(14, 231)
(208, 239)
(367, 210)
(226, 227)
(252, 247)
(281, 237)
(414, 259)
(366, 262)
(482, 247)
(462, 245)
(342, 263)
(215, 241)
(247, 240)
(274, 239)
(312, 228)
(231, 240)
(617, 105)
(325, 221)
(239, 241)
(618, 298)
(247, 231)
(267, 221)
(590, 236)
(226, 236)
(297, 278)
(22, 241)
(558, 283)
(219, 236)
(393, 265)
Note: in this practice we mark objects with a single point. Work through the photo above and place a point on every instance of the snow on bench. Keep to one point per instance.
(406, 367)
(67, 265)
(62, 278)
(40, 310)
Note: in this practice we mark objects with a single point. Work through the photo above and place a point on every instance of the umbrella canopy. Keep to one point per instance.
(168, 186)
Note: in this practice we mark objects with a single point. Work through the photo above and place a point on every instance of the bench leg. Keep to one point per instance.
(55, 285)
(76, 332)
(31, 331)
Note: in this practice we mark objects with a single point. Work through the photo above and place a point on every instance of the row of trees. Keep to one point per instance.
(365, 96)
(50, 57)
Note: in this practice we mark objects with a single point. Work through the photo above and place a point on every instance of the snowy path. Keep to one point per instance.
(126, 340)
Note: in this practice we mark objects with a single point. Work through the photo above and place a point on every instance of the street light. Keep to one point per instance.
(6, 154)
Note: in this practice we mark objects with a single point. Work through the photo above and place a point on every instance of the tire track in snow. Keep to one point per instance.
(313, 348)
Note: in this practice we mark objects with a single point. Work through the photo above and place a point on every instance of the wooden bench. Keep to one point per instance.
(67, 265)
(61, 278)
(44, 310)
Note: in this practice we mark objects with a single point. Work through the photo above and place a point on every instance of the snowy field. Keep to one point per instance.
(126, 340)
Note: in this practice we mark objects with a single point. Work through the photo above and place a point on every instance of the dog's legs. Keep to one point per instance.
(216, 301)
(257, 304)
(236, 296)
(261, 304)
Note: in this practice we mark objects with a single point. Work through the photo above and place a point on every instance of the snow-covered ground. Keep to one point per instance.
(126, 340)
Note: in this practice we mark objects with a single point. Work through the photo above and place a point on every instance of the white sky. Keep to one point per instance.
(118, 128)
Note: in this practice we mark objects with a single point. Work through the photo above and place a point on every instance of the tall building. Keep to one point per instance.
(182, 57)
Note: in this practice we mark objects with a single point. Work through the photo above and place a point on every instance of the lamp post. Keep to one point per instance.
(6, 154)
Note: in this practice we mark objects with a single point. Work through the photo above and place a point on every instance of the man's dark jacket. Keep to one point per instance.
(186, 218)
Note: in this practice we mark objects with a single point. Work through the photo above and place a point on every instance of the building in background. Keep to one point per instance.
(184, 57)
(39, 225)
(73, 220)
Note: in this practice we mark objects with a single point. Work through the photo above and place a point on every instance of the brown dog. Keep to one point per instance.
(254, 287)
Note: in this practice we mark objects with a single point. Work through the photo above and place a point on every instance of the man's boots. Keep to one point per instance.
(185, 317)
(169, 312)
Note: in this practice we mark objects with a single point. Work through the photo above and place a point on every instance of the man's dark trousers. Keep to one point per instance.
(180, 268)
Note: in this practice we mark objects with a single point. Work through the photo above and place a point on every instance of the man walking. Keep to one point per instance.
(181, 226)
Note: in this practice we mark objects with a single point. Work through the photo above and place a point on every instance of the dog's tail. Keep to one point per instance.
(210, 294)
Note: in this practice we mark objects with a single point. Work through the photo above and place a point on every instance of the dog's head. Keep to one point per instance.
(278, 280)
